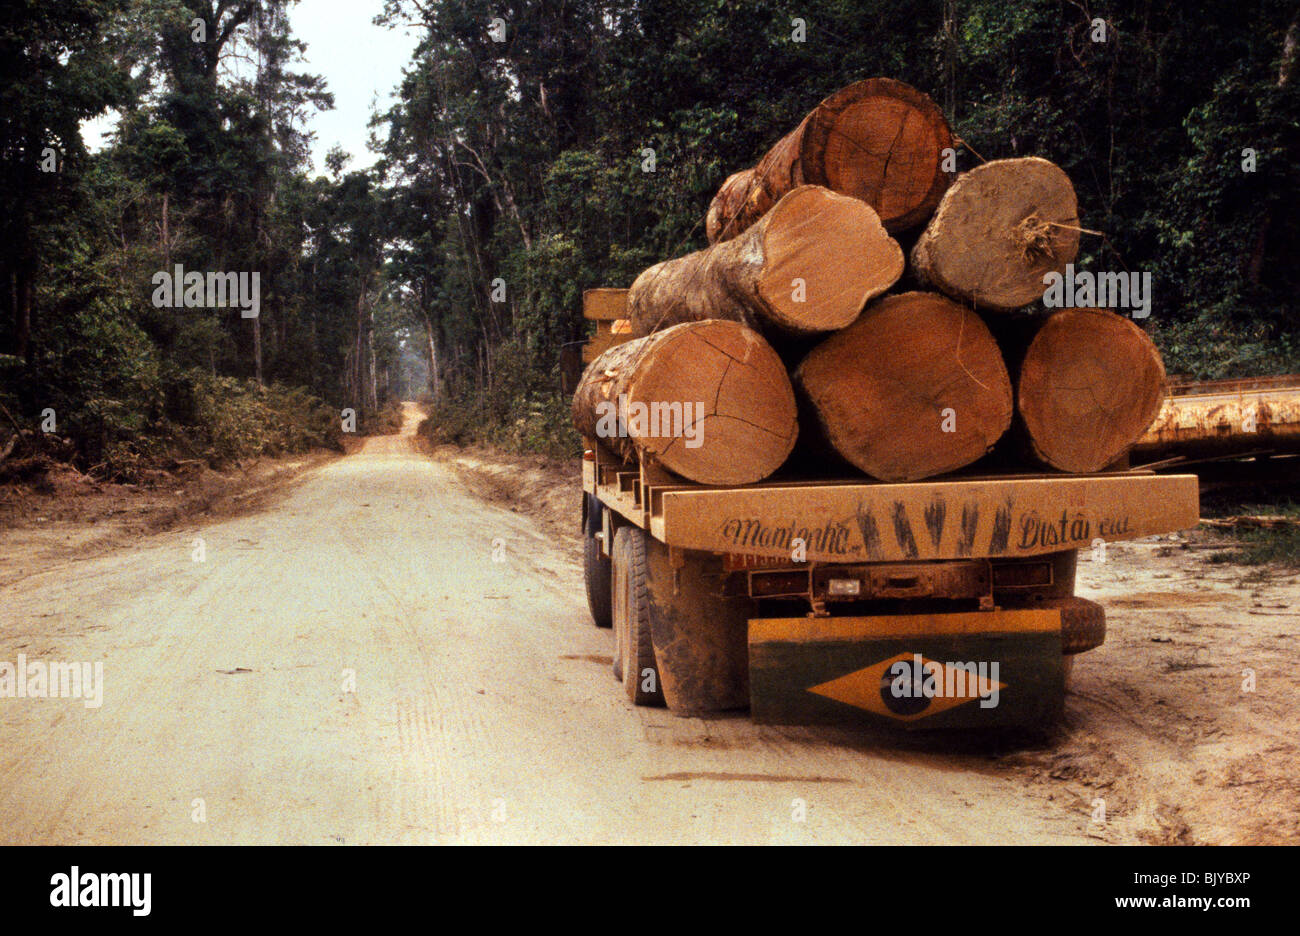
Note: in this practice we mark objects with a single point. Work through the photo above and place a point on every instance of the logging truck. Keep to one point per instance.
(933, 604)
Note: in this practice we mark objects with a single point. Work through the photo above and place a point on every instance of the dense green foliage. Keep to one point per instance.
(513, 176)
(524, 159)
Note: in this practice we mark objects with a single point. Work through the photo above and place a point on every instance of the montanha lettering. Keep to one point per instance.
(831, 538)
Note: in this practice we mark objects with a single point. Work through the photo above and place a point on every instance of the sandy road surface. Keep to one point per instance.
(484, 709)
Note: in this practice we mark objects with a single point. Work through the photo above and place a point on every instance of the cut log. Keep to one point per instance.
(878, 140)
(810, 265)
(998, 231)
(915, 387)
(1090, 385)
(710, 401)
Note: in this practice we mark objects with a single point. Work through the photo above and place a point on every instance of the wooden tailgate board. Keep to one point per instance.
(948, 519)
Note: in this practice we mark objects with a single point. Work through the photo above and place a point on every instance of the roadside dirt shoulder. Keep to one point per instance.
(546, 489)
(68, 515)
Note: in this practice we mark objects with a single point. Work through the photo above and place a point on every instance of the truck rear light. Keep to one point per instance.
(778, 584)
(843, 586)
(1022, 575)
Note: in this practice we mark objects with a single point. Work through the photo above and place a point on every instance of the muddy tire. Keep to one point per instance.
(597, 574)
(632, 618)
(1083, 624)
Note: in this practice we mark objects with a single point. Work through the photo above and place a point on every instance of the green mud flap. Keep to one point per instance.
(985, 669)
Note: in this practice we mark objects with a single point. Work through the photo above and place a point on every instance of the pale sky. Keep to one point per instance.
(362, 64)
(358, 61)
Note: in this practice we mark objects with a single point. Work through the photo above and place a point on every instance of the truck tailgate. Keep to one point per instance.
(951, 519)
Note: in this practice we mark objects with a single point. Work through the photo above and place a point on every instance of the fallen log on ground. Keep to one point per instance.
(808, 266)
(879, 140)
(1251, 523)
(1090, 385)
(710, 401)
(915, 387)
(998, 231)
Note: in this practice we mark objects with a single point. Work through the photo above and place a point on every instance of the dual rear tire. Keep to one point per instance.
(634, 654)
(618, 594)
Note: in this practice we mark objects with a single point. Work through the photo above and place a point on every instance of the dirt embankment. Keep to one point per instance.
(63, 514)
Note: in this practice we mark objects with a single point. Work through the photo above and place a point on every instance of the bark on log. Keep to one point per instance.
(808, 266)
(1218, 421)
(715, 403)
(879, 140)
(916, 387)
(998, 231)
(1090, 385)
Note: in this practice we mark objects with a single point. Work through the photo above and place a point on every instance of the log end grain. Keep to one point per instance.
(882, 141)
(1090, 385)
(745, 416)
(914, 388)
(998, 231)
(717, 405)
(825, 257)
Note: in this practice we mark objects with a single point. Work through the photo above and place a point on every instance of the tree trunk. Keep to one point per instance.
(999, 229)
(809, 265)
(709, 401)
(23, 310)
(1090, 385)
(435, 380)
(916, 387)
(878, 140)
(257, 348)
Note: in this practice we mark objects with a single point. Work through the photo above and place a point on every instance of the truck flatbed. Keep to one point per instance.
(859, 520)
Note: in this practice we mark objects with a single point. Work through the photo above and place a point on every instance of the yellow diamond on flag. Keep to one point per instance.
(909, 686)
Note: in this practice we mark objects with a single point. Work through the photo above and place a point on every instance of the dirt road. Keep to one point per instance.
(381, 656)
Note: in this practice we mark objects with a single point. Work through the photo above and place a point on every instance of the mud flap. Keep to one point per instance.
(988, 669)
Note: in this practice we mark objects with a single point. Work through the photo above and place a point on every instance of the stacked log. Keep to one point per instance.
(807, 266)
(1090, 385)
(708, 400)
(878, 140)
(900, 386)
(999, 230)
(916, 387)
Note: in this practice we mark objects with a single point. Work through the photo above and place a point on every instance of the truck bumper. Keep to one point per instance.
(988, 669)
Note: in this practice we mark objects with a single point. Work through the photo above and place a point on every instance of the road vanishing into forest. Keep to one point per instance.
(382, 657)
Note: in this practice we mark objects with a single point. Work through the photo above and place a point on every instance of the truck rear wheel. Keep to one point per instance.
(632, 617)
(597, 574)
(1083, 623)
